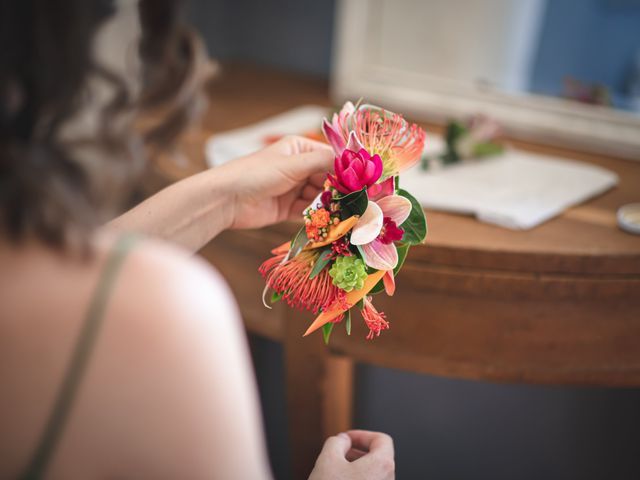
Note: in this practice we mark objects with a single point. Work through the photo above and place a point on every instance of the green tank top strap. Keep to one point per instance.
(79, 360)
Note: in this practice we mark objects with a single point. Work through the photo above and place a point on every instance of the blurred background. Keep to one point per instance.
(561, 71)
(585, 50)
(582, 53)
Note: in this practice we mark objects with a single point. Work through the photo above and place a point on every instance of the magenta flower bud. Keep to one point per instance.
(325, 199)
(355, 170)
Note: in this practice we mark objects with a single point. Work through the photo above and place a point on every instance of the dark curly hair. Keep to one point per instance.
(57, 187)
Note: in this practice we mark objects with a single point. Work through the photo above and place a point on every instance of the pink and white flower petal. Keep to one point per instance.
(379, 255)
(389, 282)
(340, 118)
(369, 225)
(350, 179)
(395, 207)
(354, 144)
(333, 137)
(381, 189)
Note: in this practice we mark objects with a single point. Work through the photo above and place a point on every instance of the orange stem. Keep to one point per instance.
(352, 298)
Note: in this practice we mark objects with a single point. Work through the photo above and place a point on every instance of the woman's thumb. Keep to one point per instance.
(337, 446)
(317, 161)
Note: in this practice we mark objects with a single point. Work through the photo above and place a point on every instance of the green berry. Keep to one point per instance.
(348, 273)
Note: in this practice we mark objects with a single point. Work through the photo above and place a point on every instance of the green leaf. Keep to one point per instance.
(360, 303)
(487, 149)
(415, 227)
(396, 182)
(326, 332)
(354, 203)
(378, 288)
(347, 323)
(275, 296)
(322, 261)
(455, 131)
(403, 250)
(298, 243)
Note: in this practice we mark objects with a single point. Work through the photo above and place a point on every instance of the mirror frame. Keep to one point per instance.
(528, 116)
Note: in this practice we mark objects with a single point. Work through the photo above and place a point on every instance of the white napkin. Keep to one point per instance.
(221, 148)
(516, 190)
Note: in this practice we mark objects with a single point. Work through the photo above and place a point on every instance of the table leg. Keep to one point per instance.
(338, 394)
(319, 393)
(305, 371)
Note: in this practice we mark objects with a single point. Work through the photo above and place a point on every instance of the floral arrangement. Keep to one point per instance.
(478, 138)
(358, 231)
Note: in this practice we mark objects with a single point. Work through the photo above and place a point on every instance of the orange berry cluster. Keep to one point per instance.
(317, 223)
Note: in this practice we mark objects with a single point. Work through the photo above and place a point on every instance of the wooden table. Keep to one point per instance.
(559, 304)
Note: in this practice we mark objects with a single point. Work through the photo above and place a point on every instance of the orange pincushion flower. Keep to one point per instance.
(375, 321)
(380, 132)
(341, 303)
(291, 279)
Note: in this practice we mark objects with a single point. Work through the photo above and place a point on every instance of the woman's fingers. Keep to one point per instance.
(309, 192)
(295, 144)
(297, 208)
(372, 442)
(337, 447)
(304, 144)
(380, 453)
(318, 161)
(354, 454)
(318, 179)
(342, 458)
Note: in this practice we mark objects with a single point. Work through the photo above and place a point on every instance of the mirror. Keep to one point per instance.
(561, 71)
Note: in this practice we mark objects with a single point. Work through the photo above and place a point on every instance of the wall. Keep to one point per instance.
(592, 40)
(290, 34)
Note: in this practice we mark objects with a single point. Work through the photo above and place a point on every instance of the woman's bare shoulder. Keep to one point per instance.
(161, 281)
(171, 375)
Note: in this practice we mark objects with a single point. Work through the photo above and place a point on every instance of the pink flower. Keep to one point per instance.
(325, 199)
(382, 189)
(398, 142)
(378, 228)
(390, 232)
(484, 128)
(333, 131)
(355, 170)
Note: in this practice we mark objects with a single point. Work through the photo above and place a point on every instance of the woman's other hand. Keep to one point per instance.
(356, 455)
(278, 182)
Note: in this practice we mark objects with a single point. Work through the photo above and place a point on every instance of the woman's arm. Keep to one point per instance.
(266, 187)
(188, 213)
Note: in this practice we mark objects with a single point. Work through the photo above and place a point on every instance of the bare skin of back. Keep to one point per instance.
(168, 392)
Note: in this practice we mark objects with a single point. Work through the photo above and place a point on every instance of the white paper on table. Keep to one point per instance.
(221, 148)
(516, 190)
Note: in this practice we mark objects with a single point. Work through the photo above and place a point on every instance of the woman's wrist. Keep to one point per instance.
(225, 188)
(190, 212)
(213, 202)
